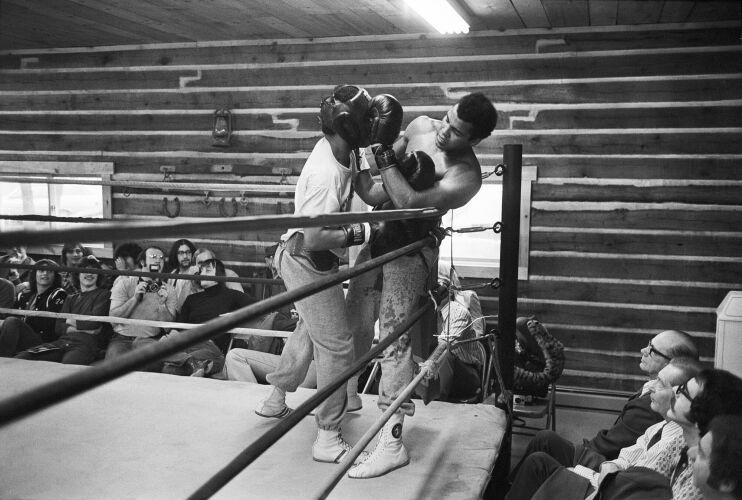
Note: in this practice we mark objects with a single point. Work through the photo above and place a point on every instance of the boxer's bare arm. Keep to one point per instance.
(460, 182)
(371, 192)
(323, 238)
(457, 186)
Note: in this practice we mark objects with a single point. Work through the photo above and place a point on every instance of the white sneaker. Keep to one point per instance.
(330, 447)
(389, 453)
(274, 406)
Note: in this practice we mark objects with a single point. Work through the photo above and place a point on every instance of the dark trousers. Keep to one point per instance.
(16, 336)
(532, 472)
(71, 349)
(549, 443)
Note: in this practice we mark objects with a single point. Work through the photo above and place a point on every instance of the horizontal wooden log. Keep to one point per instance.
(518, 117)
(122, 79)
(692, 241)
(183, 163)
(601, 314)
(618, 216)
(719, 167)
(647, 141)
(475, 68)
(234, 246)
(711, 166)
(617, 340)
(303, 50)
(619, 290)
(690, 269)
(599, 381)
(593, 90)
(192, 206)
(721, 193)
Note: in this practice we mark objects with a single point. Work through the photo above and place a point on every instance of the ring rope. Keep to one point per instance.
(427, 369)
(160, 229)
(143, 274)
(260, 445)
(141, 322)
(27, 402)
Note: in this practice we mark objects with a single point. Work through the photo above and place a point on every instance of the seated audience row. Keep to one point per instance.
(133, 297)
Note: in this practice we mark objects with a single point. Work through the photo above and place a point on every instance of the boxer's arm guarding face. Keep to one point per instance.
(460, 182)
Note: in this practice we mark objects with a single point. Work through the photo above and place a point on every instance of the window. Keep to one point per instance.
(477, 254)
(33, 196)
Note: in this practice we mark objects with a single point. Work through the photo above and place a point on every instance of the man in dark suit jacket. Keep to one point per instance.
(635, 416)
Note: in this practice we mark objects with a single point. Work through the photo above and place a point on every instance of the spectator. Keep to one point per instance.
(125, 256)
(711, 393)
(141, 298)
(577, 483)
(717, 465)
(248, 365)
(215, 299)
(184, 288)
(19, 277)
(45, 294)
(7, 294)
(634, 418)
(79, 341)
(180, 258)
(459, 318)
(71, 256)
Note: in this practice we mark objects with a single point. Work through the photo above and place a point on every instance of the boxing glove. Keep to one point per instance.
(419, 170)
(385, 115)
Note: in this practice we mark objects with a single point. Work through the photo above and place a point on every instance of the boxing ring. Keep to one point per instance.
(146, 435)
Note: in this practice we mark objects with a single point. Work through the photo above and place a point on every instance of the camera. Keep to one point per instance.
(153, 286)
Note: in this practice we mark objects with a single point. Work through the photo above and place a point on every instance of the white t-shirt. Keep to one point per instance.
(324, 185)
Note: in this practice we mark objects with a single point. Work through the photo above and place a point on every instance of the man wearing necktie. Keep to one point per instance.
(635, 417)
(542, 475)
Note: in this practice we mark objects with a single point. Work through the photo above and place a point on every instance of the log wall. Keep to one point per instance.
(636, 132)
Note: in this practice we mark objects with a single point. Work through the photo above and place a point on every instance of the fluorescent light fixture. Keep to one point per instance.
(440, 15)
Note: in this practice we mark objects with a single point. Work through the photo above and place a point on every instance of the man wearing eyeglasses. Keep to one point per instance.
(141, 298)
(711, 393)
(634, 419)
(543, 477)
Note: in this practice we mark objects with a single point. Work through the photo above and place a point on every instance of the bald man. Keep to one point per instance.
(636, 415)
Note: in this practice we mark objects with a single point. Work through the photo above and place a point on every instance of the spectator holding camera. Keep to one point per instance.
(141, 298)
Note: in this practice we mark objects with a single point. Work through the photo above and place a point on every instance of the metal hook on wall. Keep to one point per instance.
(243, 200)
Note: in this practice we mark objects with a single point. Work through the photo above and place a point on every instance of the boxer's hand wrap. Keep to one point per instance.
(366, 160)
(385, 159)
(356, 234)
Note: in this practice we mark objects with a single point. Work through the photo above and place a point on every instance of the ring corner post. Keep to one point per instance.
(508, 300)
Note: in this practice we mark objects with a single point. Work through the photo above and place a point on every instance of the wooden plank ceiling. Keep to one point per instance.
(74, 23)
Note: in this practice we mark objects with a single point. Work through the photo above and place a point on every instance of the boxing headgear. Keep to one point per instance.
(349, 119)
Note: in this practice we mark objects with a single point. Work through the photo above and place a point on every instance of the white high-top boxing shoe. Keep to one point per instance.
(330, 447)
(274, 406)
(354, 400)
(389, 453)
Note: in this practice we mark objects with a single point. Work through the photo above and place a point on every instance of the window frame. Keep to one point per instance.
(62, 169)
(529, 175)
